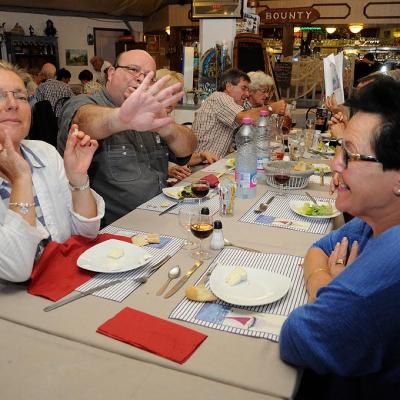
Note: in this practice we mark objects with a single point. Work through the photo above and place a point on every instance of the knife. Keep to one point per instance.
(269, 201)
(79, 295)
(171, 207)
(183, 280)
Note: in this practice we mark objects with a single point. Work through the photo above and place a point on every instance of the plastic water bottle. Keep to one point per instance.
(246, 161)
(263, 144)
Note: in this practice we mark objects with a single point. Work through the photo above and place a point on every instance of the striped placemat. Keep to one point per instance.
(280, 215)
(262, 321)
(317, 179)
(169, 245)
(161, 202)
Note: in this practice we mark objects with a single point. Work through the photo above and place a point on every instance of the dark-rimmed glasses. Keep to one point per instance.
(18, 95)
(134, 71)
(349, 156)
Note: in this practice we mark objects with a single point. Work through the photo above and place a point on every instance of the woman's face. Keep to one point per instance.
(364, 190)
(15, 111)
(259, 96)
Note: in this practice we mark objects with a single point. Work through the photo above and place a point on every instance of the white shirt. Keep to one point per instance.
(18, 239)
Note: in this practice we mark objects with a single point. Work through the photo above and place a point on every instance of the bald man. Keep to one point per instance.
(130, 167)
(51, 89)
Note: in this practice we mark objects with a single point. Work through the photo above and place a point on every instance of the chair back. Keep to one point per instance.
(44, 123)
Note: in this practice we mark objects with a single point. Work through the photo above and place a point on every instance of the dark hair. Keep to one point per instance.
(85, 75)
(369, 56)
(63, 73)
(382, 97)
(233, 76)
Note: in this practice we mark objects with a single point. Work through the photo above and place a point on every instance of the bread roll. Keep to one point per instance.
(236, 276)
(199, 293)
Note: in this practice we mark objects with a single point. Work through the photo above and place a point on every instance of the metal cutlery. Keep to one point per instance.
(173, 273)
(183, 280)
(263, 206)
(229, 243)
(171, 207)
(79, 295)
(312, 198)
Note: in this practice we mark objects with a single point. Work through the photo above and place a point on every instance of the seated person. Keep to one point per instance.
(219, 116)
(89, 86)
(350, 330)
(179, 172)
(261, 86)
(42, 197)
(63, 75)
(131, 165)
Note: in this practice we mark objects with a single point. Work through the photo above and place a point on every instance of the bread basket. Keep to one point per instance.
(298, 179)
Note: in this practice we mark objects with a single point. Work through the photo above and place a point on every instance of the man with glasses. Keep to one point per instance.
(130, 166)
(347, 338)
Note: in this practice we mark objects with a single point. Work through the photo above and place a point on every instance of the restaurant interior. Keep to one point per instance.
(222, 348)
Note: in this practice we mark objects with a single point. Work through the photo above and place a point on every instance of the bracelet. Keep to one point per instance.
(79, 188)
(23, 207)
(314, 272)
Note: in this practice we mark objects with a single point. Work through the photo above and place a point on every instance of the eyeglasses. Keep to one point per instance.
(20, 96)
(135, 71)
(349, 156)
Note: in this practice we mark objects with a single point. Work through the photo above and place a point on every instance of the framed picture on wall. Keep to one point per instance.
(153, 43)
(217, 9)
(77, 57)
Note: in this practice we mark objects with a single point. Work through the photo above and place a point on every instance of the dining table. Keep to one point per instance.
(59, 354)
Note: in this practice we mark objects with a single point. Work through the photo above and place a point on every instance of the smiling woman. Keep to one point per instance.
(353, 275)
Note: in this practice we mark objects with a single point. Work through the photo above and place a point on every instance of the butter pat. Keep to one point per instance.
(153, 238)
(115, 253)
(238, 275)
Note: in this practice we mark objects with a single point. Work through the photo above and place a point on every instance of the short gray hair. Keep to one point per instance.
(258, 79)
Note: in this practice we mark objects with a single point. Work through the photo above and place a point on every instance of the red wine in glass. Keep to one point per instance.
(281, 179)
(200, 189)
(201, 230)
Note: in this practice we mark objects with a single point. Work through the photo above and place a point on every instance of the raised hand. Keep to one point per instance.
(145, 108)
(78, 155)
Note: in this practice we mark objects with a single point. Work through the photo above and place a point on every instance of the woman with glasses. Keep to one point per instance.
(347, 338)
(261, 89)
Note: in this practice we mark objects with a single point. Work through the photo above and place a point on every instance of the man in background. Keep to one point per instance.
(100, 68)
(364, 67)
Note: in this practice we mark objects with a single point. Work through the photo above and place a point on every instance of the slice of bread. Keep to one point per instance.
(139, 240)
(153, 238)
(199, 293)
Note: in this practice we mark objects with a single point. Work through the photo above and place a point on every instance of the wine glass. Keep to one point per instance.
(281, 177)
(184, 216)
(201, 225)
(200, 188)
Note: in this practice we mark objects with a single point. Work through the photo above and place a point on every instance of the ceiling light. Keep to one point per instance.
(356, 28)
(296, 29)
(168, 30)
(331, 30)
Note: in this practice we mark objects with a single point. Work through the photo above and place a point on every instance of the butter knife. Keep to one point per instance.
(183, 280)
(79, 295)
(171, 207)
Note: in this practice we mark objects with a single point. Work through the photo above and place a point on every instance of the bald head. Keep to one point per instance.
(133, 57)
(48, 71)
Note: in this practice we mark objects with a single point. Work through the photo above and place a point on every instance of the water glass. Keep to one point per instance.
(184, 216)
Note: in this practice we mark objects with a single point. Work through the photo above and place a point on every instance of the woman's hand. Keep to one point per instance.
(78, 155)
(208, 157)
(337, 124)
(337, 260)
(179, 172)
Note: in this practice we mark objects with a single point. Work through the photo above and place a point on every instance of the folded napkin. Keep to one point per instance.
(156, 335)
(211, 179)
(56, 273)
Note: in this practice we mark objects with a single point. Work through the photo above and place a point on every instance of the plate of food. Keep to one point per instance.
(179, 192)
(322, 167)
(231, 163)
(113, 256)
(310, 210)
(246, 286)
(323, 149)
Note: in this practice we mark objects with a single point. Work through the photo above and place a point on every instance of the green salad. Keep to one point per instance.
(186, 193)
(325, 149)
(231, 162)
(316, 210)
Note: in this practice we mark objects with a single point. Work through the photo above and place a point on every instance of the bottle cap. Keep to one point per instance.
(205, 211)
(263, 113)
(247, 121)
(217, 224)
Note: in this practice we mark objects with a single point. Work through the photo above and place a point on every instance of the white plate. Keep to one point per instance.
(95, 258)
(296, 205)
(173, 192)
(326, 168)
(325, 153)
(261, 287)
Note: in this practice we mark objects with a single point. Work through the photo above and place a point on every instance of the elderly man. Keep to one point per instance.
(222, 113)
(130, 167)
(100, 68)
(52, 89)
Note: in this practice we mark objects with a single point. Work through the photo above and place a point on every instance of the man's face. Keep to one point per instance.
(97, 64)
(239, 92)
(132, 68)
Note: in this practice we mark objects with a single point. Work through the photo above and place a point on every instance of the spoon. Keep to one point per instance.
(261, 208)
(229, 243)
(173, 273)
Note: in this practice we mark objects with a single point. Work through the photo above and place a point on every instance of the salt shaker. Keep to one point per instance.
(217, 238)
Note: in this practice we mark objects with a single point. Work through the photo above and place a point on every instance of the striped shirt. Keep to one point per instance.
(214, 124)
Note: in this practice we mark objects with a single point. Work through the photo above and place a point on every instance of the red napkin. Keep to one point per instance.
(211, 179)
(56, 273)
(156, 335)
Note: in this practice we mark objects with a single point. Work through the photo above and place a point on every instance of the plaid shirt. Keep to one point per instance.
(53, 90)
(215, 125)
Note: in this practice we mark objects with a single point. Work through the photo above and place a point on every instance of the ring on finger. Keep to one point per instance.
(340, 261)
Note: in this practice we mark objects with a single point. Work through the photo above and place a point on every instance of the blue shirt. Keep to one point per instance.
(353, 328)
